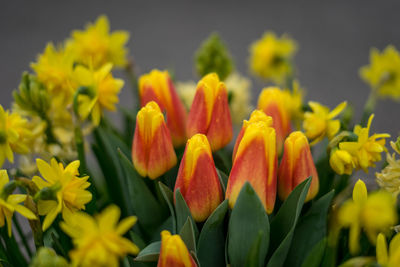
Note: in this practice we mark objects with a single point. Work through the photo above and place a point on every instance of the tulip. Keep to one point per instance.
(152, 150)
(198, 179)
(210, 113)
(255, 162)
(297, 165)
(174, 252)
(273, 102)
(157, 86)
(256, 115)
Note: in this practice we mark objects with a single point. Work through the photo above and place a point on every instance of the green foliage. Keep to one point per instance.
(211, 244)
(248, 210)
(213, 56)
(284, 224)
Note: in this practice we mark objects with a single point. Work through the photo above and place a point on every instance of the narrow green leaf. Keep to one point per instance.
(149, 212)
(183, 212)
(314, 257)
(150, 253)
(211, 244)
(169, 198)
(107, 157)
(284, 224)
(248, 220)
(187, 235)
(310, 229)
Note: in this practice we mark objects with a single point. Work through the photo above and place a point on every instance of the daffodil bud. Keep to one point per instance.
(213, 56)
(47, 257)
(274, 103)
(297, 165)
(174, 252)
(32, 97)
(255, 162)
(341, 162)
(152, 150)
(157, 86)
(209, 114)
(198, 179)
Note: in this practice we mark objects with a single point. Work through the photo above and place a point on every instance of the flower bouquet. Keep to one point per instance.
(194, 175)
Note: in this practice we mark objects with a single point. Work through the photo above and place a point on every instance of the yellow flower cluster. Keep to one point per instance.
(72, 77)
(359, 154)
(373, 213)
(383, 73)
(98, 241)
(68, 192)
(14, 135)
(389, 177)
(270, 57)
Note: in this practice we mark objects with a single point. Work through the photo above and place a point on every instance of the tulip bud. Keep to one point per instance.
(297, 165)
(157, 86)
(273, 102)
(256, 115)
(198, 179)
(152, 150)
(210, 113)
(174, 252)
(255, 162)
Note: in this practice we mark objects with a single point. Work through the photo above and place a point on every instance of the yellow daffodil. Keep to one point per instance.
(383, 73)
(103, 90)
(374, 213)
(320, 122)
(367, 149)
(389, 177)
(270, 57)
(98, 240)
(96, 46)
(54, 69)
(67, 190)
(385, 257)
(14, 135)
(9, 203)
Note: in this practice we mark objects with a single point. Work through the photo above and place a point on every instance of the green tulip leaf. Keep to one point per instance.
(211, 245)
(284, 224)
(314, 257)
(187, 235)
(150, 253)
(182, 213)
(247, 222)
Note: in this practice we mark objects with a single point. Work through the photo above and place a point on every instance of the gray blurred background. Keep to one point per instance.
(334, 39)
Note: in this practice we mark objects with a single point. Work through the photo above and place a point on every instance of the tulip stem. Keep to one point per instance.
(130, 72)
(369, 108)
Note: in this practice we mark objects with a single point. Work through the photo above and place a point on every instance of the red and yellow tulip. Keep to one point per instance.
(198, 179)
(210, 113)
(297, 165)
(274, 103)
(174, 252)
(152, 150)
(256, 115)
(255, 162)
(157, 86)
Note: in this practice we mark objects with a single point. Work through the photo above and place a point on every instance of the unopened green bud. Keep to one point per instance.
(47, 257)
(398, 143)
(31, 96)
(8, 189)
(48, 193)
(213, 56)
